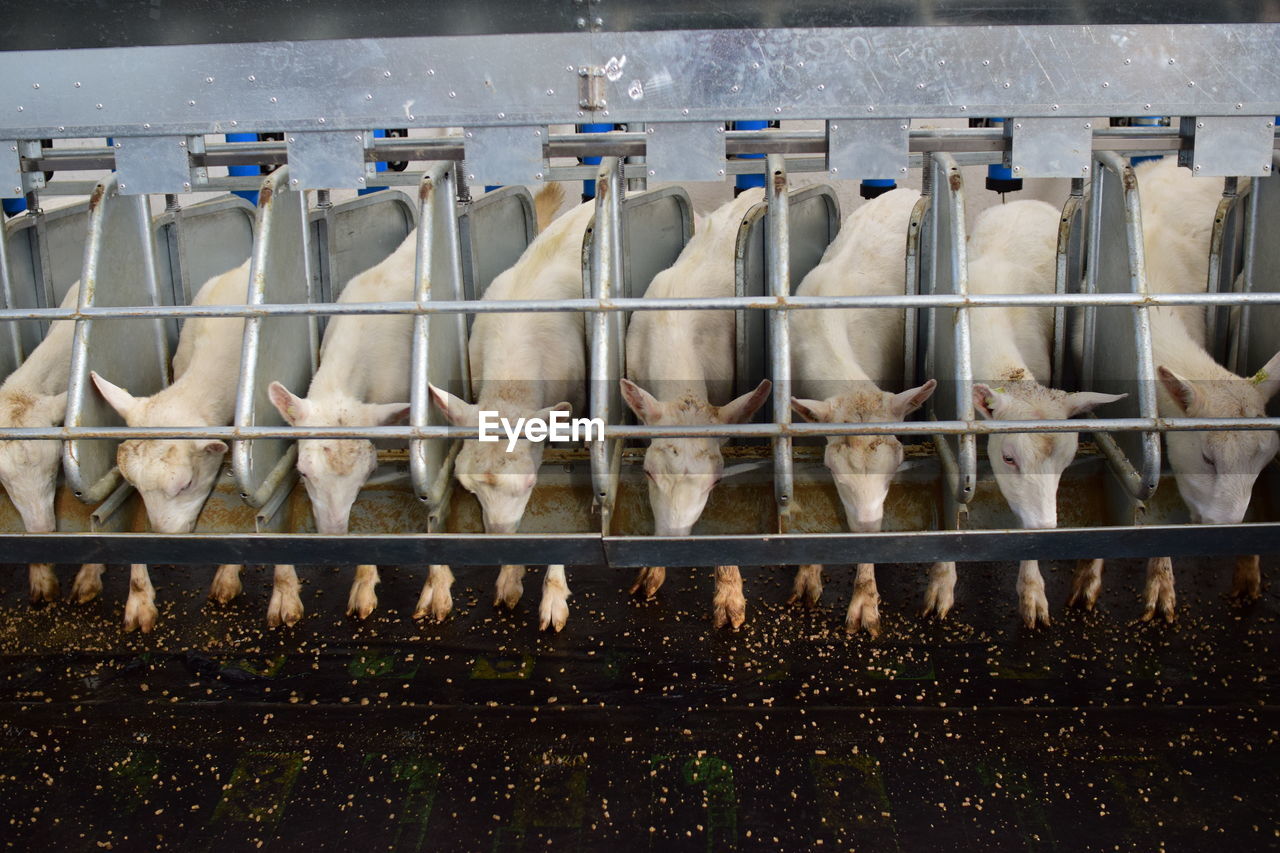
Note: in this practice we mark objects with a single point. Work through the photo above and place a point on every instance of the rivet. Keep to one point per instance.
(1105, 84)
(733, 88)
(1128, 61)
(1146, 106)
(63, 127)
(834, 170)
(652, 173)
(902, 127)
(1199, 124)
(942, 62)
(431, 72)
(77, 85)
(386, 73)
(35, 85)
(191, 103)
(919, 85)
(871, 109)
(1190, 83)
(359, 137)
(1017, 125)
(95, 106)
(1088, 125)
(1054, 107)
(777, 109)
(903, 170)
(411, 118)
(273, 99)
(538, 175)
(253, 78)
(292, 140)
(684, 112)
(17, 190)
(551, 91)
(145, 126)
(186, 185)
(320, 120)
(470, 134)
(1239, 106)
(537, 133)
(1006, 85)
(1017, 168)
(821, 86)
(208, 79)
(293, 182)
(368, 96)
(502, 115)
(1171, 60)
(453, 94)
(471, 176)
(986, 62)
(234, 123)
(1271, 124)
(963, 108)
(1266, 168)
(568, 68)
(755, 65)
(835, 126)
(359, 180)
(1084, 170)
(1197, 168)
(720, 172)
(123, 187)
(720, 129)
(116, 145)
(182, 143)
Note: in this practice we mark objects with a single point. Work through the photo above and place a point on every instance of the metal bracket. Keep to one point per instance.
(867, 148)
(591, 87)
(333, 159)
(159, 164)
(685, 151)
(504, 155)
(1050, 147)
(16, 183)
(1228, 145)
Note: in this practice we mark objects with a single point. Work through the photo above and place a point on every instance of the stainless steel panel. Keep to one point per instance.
(439, 341)
(199, 242)
(1259, 326)
(120, 268)
(1230, 145)
(505, 155)
(867, 148)
(159, 164)
(495, 231)
(1050, 147)
(357, 235)
(1225, 261)
(1068, 278)
(11, 173)
(708, 76)
(1117, 340)
(330, 159)
(280, 349)
(948, 354)
(685, 151)
(45, 254)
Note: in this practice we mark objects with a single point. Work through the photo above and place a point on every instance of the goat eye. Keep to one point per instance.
(1009, 460)
(1208, 460)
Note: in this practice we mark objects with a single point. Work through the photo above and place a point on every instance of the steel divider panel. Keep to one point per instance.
(1257, 333)
(33, 242)
(912, 352)
(199, 242)
(1225, 259)
(814, 213)
(1123, 334)
(1069, 268)
(357, 236)
(120, 269)
(495, 230)
(280, 349)
(603, 278)
(948, 354)
(439, 340)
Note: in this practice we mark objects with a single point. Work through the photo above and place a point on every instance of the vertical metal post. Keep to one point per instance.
(604, 329)
(778, 280)
(1066, 278)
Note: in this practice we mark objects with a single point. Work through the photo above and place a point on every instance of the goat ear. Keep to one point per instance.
(1182, 391)
(291, 407)
(908, 401)
(212, 445)
(385, 414)
(455, 410)
(814, 411)
(119, 399)
(985, 400)
(645, 405)
(740, 410)
(563, 406)
(1268, 378)
(1086, 401)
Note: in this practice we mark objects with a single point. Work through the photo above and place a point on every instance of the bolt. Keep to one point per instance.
(581, 23)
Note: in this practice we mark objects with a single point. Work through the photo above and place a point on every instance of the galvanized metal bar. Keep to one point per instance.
(761, 430)
(899, 547)
(605, 270)
(1067, 274)
(777, 257)
(276, 347)
(911, 318)
(440, 341)
(119, 268)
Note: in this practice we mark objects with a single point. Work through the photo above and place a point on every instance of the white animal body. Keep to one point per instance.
(175, 476)
(1215, 471)
(841, 361)
(678, 363)
(362, 380)
(1012, 249)
(525, 365)
(34, 396)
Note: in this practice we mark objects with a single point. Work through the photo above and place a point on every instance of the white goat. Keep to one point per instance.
(521, 365)
(841, 358)
(32, 397)
(175, 476)
(687, 359)
(1012, 249)
(362, 380)
(1215, 470)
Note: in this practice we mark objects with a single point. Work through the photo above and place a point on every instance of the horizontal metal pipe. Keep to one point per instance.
(616, 144)
(592, 549)
(763, 430)
(915, 300)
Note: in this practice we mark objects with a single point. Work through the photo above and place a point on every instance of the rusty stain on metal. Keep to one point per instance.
(95, 199)
(955, 182)
(425, 189)
(264, 195)
(779, 182)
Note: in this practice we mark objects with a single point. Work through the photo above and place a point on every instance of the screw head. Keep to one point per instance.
(1197, 168)
(834, 170)
(253, 78)
(1017, 168)
(538, 175)
(186, 185)
(453, 94)
(123, 187)
(208, 79)
(652, 173)
(902, 170)
(77, 85)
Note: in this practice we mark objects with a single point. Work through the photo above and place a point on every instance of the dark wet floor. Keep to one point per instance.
(639, 727)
